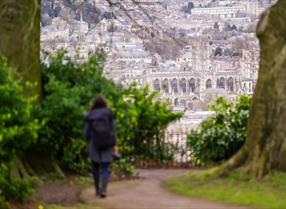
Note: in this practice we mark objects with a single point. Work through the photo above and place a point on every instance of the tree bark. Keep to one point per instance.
(265, 146)
(20, 43)
(20, 40)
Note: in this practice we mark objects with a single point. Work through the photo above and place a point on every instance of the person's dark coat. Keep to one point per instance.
(99, 156)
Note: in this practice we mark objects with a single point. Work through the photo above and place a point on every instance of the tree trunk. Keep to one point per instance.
(20, 43)
(265, 146)
(20, 40)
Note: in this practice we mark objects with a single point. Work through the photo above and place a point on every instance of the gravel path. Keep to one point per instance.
(147, 193)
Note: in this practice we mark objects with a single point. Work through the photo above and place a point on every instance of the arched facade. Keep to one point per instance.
(191, 85)
(181, 87)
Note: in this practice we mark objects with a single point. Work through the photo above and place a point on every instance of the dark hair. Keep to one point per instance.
(98, 102)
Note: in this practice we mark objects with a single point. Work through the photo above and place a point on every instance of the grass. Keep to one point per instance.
(269, 193)
(80, 206)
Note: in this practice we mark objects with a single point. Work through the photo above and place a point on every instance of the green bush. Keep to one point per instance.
(14, 188)
(18, 131)
(3, 203)
(141, 121)
(122, 168)
(223, 133)
(75, 155)
(69, 88)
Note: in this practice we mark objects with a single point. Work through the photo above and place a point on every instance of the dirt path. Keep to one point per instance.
(147, 193)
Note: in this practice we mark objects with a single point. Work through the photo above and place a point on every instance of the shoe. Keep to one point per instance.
(103, 190)
(103, 195)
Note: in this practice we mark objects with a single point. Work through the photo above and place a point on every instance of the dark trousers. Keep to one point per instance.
(100, 172)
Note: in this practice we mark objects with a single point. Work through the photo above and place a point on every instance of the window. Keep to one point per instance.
(209, 84)
(166, 86)
(156, 84)
(174, 85)
(221, 83)
(230, 85)
(192, 85)
(183, 85)
(176, 102)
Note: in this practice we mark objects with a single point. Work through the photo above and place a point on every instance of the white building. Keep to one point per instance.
(58, 30)
(252, 8)
(129, 56)
(221, 12)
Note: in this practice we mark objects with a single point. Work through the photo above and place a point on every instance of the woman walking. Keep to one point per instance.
(99, 129)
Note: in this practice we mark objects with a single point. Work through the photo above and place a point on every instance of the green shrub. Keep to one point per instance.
(123, 168)
(141, 121)
(17, 189)
(223, 133)
(75, 155)
(70, 87)
(18, 131)
(3, 203)
(68, 90)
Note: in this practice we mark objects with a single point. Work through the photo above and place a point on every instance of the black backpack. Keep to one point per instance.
(103, 131)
